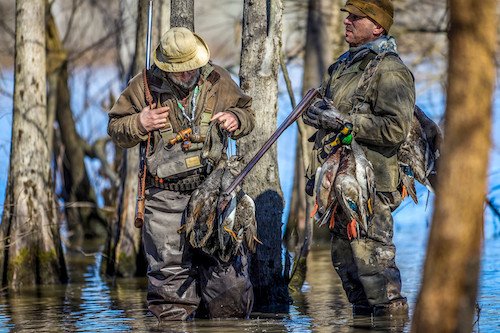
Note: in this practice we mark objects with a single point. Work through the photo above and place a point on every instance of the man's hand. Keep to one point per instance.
(322, 114)
(227, 121)
(153, 119)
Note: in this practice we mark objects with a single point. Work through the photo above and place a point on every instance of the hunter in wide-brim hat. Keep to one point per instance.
(181, 50)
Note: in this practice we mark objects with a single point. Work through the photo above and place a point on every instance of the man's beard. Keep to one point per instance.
(185, 85)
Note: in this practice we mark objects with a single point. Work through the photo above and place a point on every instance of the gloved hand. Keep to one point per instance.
(322, 114)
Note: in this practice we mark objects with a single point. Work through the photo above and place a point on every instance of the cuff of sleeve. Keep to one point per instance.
(239, 130)
(141, 130)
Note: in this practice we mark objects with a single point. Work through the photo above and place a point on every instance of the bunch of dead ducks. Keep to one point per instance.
(345, 183)
(346, 180)
(221, 233)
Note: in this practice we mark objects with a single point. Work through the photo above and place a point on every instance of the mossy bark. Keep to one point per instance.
(30, 244)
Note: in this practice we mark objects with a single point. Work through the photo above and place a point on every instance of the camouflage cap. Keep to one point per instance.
(380, 11)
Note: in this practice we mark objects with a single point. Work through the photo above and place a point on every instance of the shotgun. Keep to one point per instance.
(144, 149)
(292, 117)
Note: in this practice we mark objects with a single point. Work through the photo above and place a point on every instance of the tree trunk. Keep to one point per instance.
(449, 288)
(164, 18)
(124, 250)
(30, 246)
(126, 44)
(322, 42)
(82, 213)
(182, 14)
(261, 45)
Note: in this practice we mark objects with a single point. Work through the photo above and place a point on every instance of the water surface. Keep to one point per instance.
(91, 303)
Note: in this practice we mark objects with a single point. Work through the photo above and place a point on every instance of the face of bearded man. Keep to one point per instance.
(186, 80)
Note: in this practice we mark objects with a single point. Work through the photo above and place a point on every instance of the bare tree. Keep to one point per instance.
(30, 247)
(447, 300)
(164, 18)
(82, 212)
(261, 44)
(125, 256)
(322, 42)
(182, 14)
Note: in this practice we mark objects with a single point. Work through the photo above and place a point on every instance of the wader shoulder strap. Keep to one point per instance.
(366, 87)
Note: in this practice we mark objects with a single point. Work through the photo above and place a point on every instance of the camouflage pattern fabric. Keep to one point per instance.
(367, 265)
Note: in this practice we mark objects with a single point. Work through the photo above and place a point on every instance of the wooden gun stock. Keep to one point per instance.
(139, 212)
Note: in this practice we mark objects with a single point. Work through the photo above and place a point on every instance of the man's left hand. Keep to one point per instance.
(227, 121)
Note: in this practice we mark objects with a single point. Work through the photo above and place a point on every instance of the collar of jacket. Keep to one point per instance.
(382, 44)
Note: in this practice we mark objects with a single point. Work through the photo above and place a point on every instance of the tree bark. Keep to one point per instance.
(85, 219)
(450, 281)
(182, 14)
(124, 247)
(322, 43)
(261, 43)
(30, 246)
(124, 42)
(164, 17)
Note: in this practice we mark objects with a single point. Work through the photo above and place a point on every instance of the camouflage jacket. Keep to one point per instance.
(218, 93)
(381, 113)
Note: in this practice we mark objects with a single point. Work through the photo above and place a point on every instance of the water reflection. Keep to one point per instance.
(93, 304)
(97, 313)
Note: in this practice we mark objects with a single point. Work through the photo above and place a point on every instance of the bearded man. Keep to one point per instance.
(190, 94)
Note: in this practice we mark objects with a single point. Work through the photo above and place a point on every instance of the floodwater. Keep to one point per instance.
(93, 304)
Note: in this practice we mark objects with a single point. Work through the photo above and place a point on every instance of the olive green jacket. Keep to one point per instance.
(383, 114)
(218, 93)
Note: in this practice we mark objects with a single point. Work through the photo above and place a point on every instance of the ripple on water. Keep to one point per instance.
(94, 304)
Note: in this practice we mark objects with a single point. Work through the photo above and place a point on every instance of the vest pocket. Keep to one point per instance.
(165, 163)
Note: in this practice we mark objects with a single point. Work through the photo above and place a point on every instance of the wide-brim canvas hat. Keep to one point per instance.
(181, 50)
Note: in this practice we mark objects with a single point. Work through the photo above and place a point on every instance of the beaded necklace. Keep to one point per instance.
(193, 102)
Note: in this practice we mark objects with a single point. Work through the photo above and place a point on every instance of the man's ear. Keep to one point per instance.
(378, 30)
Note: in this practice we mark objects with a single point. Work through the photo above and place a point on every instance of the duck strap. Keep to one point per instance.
(366, 87)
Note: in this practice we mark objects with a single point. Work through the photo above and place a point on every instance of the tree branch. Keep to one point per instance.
(289, 87)
(98, 151)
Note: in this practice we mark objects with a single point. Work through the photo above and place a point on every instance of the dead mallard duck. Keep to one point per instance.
(325, 176)
(346, 180)
(355, 188)
(418, 155)
(220, 233)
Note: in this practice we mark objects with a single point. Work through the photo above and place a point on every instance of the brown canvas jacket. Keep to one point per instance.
(383, 122)
(219, 93)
